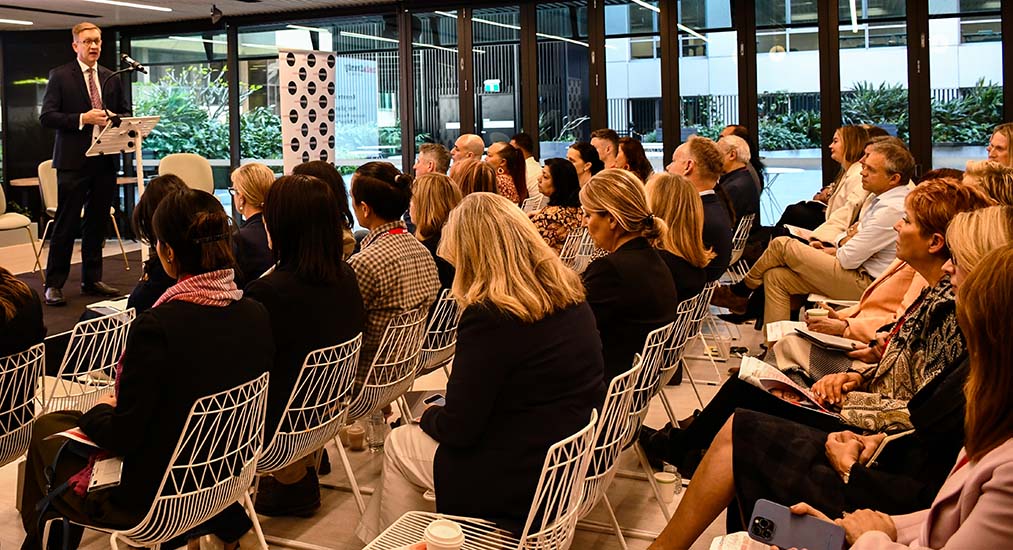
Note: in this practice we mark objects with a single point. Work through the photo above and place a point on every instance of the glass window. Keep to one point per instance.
(967, 86)
(496, 33)
(633, 73)
(187, 86)
(435, 58)
(708, 71)
(956, 7)
(563, 76)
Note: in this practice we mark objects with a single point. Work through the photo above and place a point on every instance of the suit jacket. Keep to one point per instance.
(883, 302)
(66, 98)
(253, 256)
(176, 353)
(304, 317)
(517, 389)
(689, 279)
(444, 269)
(631, 293)
(741, 191)
(717, 235)
(973, 509)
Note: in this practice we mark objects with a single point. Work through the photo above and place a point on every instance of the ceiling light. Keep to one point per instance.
(302, 28)
(129, 5)
(655, 9)
(15, 22)
(196, 39)
(854, 17)
(367, 36)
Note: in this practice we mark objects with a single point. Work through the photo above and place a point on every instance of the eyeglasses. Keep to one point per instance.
(233, 191)
(90, 41)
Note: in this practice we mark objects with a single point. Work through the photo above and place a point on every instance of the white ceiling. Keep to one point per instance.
(105, 15)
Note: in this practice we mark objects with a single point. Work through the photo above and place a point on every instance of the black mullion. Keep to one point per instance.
(596, 42)
(671, 99)
(529, 73)
(1007, 60)
(919, 89)
(406, 97)
(830, 78)
(232, 76)
(744, 19)
(466, 72)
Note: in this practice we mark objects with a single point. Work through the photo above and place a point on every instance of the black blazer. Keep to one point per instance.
(152, 285)
(741, 191)
(253, 256)
(717, 235)
(304, 317)
(66, 98)
(444, 269)
(25, 329)
(517, 388)
(689, 279)
(176, 353)
(632, 293)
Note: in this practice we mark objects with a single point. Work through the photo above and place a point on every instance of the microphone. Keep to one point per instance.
(133, 63)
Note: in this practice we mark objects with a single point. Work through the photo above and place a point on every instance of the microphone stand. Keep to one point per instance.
(113, 117)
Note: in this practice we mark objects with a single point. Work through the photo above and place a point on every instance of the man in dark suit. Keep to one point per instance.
(700, 161)
(73, 106)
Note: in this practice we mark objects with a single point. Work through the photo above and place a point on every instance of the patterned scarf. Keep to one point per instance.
(216, 289)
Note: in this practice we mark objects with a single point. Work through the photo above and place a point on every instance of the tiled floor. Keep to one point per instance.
(333, 526)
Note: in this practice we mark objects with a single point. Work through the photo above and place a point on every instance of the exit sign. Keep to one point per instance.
(492, 85)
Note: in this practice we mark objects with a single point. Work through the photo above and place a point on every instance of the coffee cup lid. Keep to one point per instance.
(664, 477)
(445, 532)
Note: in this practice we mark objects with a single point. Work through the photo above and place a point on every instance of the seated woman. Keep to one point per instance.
(201, 337)
(846, 192)
(511, 177)
(971, 509)
(473, 176)
(514, 290)
(21, 325)
(327, 173)
(558, 181)
(154, 282)
(835, 471)
(631, 157)
(873, 393)
(673, 199)
(1000, 145)
(313, 300)
(630, 290)
(585, 160)
(433, 197)
(250, 183)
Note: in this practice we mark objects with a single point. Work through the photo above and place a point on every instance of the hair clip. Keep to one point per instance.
(211, 239)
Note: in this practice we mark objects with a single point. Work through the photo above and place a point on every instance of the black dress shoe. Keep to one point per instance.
(300, 499)
(54, 297)
(100, 289)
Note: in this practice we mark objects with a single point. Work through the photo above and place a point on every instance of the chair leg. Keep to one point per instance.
(42, 241)
(351, 477)
(668, 407)
(248, 504)
(119, 239)
(685, 369)
(38, 252)
(615, 522)
(650, 479)
(112, 541)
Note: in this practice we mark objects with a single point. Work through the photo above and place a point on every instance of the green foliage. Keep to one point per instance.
(868, 103)
(968, 118)
(260, 132)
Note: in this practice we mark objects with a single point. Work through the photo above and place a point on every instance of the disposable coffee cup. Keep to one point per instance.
(666, 484)
(356, 437)
(816, 312)
(444, 534)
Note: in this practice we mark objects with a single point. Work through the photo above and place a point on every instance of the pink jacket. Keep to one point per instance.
(973, 510)
(883, 301)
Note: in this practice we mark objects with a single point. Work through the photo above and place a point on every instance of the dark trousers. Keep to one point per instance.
(92, 187)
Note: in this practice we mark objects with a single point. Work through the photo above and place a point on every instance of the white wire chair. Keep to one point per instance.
(610, 434)
(702, 315)
(579, 250)
(88, 370)
(19, 375)
(568, 253)
(551, 520)
(534, 204)
(390, 376)
(736, 268)
(212, 466)
(675, 351)
(440, 341)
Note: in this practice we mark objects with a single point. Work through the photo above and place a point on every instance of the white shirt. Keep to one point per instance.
(708, 192)
(531, 172)
(87, 88)
(874, 246)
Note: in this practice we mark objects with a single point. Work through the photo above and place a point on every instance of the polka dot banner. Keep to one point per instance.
(307, 106)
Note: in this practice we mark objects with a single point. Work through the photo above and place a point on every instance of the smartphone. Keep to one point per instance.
(774, 524)
(437, 399)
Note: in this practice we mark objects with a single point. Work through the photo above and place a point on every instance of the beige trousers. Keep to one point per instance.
(789, 267)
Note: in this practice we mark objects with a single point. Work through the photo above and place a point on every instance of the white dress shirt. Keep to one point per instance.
(531, 172)
(87, 88)
(874, 246)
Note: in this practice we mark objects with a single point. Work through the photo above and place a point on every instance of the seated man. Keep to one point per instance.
(606, 141)
(468, 146)
(433, 159)
(737, 182)
(844, 271)
(699, 161)
(532, 169)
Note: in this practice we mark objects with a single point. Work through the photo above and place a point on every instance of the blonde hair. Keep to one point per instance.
(500, 259)
(674, 199)
(706, 155)
(993, 177)
(434, 196)
(253, 180)
(473, 176)
(620, 194)
(972, 235)
(84, 26)
(1006, 130)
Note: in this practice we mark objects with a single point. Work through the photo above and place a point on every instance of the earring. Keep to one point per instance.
(500, 171)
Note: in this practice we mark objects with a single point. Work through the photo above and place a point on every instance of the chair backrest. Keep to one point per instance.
(193, 169)
(552, 519)
(47, 184)
(740, 237)
(19, 375)
(3, 200)
(676, 347)
(571, 245)
(702, 307)
(315, 408)
(88, 370)
(393, 368)
(609, 436)
(532, 204)
(213, 463)
(647, 379)
(440, 340)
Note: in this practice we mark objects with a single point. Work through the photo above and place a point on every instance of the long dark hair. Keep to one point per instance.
(513, 159)
(13, 294)
(157, 189)
(589, 154)
(636, 158)
(326, 172)
(384, 188)
(305, 228)
(194, 224)
(565, 184)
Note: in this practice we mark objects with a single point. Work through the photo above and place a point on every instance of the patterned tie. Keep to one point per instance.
(96, 100)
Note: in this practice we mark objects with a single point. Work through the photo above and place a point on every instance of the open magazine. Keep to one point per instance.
(780, 329)
(799, 232)
(769, 378)
(737, 541)
(828, 341)
(75, 434)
